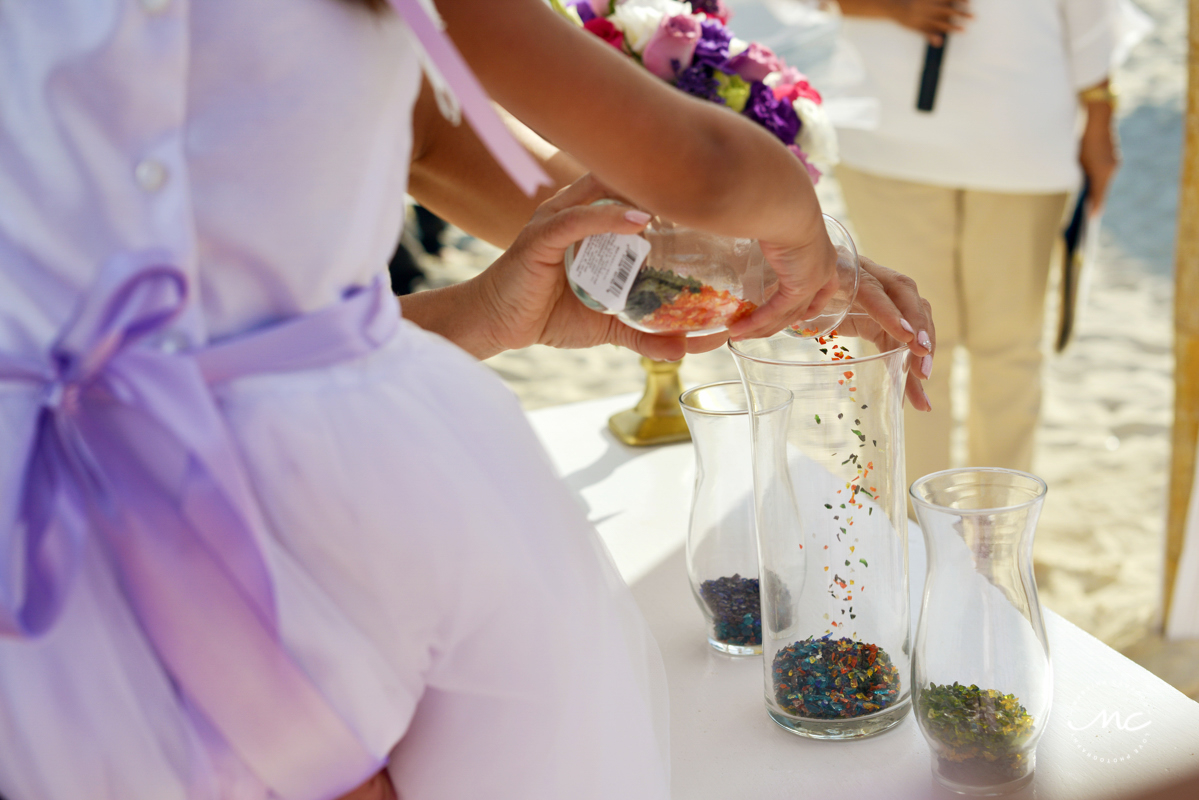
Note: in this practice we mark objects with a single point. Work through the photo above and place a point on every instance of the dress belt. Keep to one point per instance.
(131, 448)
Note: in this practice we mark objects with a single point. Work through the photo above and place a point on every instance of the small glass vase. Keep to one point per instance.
(981, 672)
(676, 280)
(832, 533)
(722, 549)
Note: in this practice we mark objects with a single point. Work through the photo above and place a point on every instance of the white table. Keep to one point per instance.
(722, 742)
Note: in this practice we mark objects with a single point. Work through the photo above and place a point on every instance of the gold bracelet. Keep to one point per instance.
(1102, 93)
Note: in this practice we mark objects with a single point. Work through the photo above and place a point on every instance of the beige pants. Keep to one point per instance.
(982, 261)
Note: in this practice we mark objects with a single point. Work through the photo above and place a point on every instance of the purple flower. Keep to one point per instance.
(697, 81)
(713, 46)
(671, 47)
(584, 8)
(776, 116)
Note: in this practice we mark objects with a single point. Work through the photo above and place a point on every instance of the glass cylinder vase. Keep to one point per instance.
(722, 548)
(832, 533)
(981, 674)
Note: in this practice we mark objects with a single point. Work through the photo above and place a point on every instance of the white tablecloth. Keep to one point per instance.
(1114, 728)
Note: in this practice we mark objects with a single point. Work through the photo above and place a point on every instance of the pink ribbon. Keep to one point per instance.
(516, 161)
(131, 449)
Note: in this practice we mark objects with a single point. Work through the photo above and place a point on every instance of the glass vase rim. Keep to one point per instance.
(732, 345)
(1040, 497)
(790, 396)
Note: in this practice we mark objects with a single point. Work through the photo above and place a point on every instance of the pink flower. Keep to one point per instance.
(793, 84)
(755, 62)
(813, 173)
(670, 49)
(606, 31)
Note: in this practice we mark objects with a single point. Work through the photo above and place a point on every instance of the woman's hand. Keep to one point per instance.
(933, 18)
(523, 298)
(1099, 152)
(890, 312)
(807, 275)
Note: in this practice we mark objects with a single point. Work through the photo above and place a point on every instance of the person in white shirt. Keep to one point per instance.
(968, 199)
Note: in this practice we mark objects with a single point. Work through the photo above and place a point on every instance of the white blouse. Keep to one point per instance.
(1006, 112)
(263, 144)
(433, 577)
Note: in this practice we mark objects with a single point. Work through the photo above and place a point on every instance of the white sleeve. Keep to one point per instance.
(1099, 35)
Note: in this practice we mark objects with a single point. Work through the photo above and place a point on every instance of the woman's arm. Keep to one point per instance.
(686, 159)
(454, 176)
(523, 298)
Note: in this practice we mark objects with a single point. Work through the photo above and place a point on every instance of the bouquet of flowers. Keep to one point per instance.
(690, 45)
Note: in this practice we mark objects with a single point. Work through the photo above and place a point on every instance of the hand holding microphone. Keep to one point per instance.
(934, 18)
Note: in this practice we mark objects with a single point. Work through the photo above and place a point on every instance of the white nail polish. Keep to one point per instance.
(926, 366)
(926, 400)
(925, 342)
(903, 323)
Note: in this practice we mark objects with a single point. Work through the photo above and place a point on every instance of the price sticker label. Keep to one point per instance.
(604, 266)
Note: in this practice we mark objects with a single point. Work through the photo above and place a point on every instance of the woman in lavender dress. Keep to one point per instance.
(259, 537)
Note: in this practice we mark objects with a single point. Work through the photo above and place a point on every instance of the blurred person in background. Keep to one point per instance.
(968, 198)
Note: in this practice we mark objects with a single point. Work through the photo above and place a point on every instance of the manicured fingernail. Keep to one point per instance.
(928, 402)
(903, 323)
(925, 342)
(638, 217)
(926, 366)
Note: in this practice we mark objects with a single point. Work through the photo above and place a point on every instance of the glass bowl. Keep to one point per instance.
(675, 280)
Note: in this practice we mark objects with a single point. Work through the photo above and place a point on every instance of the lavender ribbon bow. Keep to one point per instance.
(131, 449)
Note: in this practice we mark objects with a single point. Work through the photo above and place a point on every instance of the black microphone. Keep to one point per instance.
(931, 75)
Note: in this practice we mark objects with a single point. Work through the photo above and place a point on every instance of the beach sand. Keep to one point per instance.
(1104, 439)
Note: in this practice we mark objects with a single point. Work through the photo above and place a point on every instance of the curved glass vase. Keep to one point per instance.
(981, 674)
(832, 533)
(722, 547)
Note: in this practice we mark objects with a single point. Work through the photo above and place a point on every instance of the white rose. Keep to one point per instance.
(637, 23)
(668, 8)
(737, 46)
(638, 19)
(817, 137)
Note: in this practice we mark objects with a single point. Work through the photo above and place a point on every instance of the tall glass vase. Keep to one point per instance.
(832, 533)
(722, 547)
(982, 676)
